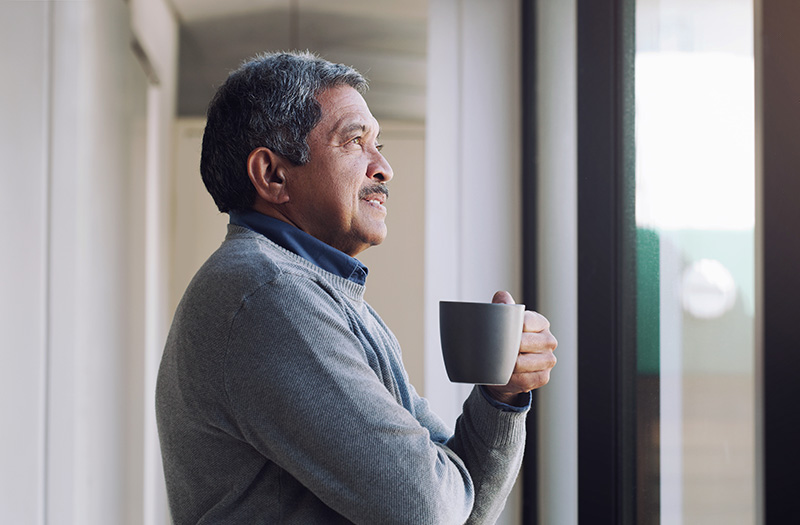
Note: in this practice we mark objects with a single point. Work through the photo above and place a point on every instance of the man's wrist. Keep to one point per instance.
(514, 401)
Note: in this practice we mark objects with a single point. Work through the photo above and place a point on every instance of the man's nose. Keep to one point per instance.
(380, 169)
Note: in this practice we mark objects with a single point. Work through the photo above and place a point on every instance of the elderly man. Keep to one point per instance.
(281, 396)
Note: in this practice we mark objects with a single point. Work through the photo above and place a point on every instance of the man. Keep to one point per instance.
(281, 396)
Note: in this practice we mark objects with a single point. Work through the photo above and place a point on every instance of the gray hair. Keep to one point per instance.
(270, 101)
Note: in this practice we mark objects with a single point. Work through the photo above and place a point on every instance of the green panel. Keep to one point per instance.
(647, 302)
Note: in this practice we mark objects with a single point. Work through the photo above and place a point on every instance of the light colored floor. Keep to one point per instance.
(719, 450)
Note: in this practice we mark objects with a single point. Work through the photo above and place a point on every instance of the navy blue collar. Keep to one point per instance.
(306, 246)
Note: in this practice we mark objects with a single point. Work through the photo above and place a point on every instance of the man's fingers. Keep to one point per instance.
(535, 322)
(503, 297)
(537, 342)
(532, 371)
(525, 382)
(535, 362)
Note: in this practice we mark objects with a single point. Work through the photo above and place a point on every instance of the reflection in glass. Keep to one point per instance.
(695, 213)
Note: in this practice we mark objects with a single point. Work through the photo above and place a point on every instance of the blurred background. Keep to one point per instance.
(493, 120)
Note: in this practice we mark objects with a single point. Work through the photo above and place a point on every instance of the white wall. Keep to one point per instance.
(558, 255)
(472, 165)
(23, 268)
(79, 157)
(155, 28)
(473, 180)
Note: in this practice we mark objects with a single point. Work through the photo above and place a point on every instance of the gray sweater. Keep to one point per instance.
(281, 398)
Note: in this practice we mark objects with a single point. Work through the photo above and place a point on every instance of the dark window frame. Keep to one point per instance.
(778, 112)
(606, 263)
(530, 291)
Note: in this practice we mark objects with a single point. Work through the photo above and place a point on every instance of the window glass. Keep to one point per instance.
(695, 213)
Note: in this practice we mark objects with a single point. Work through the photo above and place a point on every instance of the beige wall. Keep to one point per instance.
(196, 226)
(395, 286)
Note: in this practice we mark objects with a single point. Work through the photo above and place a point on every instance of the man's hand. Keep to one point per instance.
(535, 358)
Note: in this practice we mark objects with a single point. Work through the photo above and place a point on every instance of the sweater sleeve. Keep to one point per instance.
(301, 392)
(490, 441)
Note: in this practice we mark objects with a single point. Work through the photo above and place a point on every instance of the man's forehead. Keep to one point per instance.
(346, 111)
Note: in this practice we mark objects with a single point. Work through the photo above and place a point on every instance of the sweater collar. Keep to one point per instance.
(299, 242)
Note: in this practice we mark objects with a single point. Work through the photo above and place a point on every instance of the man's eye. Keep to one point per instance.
(356, 141)
(379, 147)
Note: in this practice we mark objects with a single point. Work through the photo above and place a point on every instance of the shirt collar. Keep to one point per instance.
(299, 242)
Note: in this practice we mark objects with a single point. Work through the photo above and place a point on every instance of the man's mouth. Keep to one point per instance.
(375, 199)
(375, 195)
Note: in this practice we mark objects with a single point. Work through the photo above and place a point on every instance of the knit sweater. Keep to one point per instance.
(281, 398)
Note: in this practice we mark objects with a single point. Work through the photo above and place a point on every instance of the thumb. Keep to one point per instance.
(503, 297)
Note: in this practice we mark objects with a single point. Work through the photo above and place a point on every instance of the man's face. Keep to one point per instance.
(339, 195)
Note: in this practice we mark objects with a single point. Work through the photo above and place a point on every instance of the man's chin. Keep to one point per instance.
(367, 241)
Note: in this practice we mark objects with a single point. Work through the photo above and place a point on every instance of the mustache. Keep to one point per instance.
(372, 189)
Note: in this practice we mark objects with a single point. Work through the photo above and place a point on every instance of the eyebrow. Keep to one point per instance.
(347, 129)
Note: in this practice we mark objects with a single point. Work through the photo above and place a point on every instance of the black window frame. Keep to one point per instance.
(606, 262)
(530, 475)
(778, 175)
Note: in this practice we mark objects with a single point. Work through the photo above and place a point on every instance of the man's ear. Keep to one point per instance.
(267, 172)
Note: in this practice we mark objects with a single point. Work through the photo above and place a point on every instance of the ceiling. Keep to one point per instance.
(386, 40)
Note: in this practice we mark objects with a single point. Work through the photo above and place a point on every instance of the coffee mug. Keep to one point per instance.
(480, 341)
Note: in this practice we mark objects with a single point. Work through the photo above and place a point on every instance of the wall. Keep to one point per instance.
(558, 254)
(472, 166)
(79, 157)
(197, 227)
(154, 26)
(396, 283)
(23, 268)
